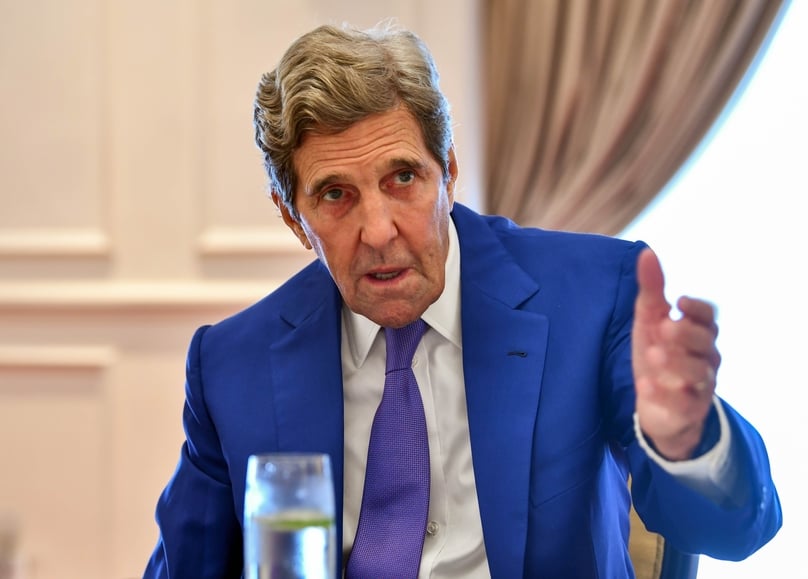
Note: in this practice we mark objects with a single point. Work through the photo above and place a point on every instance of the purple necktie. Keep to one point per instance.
(395, 502)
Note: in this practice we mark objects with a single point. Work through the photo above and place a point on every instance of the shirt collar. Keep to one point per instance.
(443, 315)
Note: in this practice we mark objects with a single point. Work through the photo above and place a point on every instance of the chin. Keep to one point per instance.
(388, 319)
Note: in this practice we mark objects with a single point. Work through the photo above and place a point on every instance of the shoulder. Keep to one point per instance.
(275, 314)
(545, 251)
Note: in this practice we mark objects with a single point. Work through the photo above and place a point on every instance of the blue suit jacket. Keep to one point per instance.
(546, 320)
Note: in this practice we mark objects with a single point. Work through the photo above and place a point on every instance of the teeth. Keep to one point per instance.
(385, 275)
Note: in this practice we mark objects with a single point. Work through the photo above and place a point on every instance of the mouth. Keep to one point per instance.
(385, 275)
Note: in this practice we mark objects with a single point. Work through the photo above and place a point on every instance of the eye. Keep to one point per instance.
(405, 177)
(333, 194)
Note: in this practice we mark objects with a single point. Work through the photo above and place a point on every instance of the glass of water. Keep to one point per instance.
(289, 517)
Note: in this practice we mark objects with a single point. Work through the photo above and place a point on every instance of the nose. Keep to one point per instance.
(378, 220)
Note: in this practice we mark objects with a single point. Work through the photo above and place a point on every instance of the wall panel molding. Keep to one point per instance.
(55, 242)
(56, 357)
(233, 241)
(105, 296)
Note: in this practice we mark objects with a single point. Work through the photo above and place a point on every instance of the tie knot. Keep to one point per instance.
(401, 344)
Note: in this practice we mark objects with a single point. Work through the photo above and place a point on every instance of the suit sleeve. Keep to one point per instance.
(200, 536)
(693, 523)
(690, 521)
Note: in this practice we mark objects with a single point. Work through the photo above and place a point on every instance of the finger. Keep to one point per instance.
(696, 331)
(707, 383)
(671, 371)
(691, 377)
(651, 297)
(700, 311)
(689, 336)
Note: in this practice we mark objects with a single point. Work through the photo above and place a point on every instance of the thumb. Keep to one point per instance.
(651, 302)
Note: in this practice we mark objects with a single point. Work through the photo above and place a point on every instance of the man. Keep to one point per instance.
(549, 370)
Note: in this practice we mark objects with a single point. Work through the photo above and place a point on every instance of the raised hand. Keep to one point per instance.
(675, 363)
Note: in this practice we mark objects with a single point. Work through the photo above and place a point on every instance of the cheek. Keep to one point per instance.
(432, 248)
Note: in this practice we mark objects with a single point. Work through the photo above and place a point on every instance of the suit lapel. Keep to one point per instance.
(307, 374)
(503, 359)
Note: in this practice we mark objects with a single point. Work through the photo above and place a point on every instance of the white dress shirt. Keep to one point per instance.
(454, 541)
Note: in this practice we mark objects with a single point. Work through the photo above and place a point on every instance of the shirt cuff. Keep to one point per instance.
(712, 474)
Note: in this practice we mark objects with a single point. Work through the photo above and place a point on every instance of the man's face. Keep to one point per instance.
(374, 206)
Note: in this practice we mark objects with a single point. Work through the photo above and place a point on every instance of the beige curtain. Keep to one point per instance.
(593, 105)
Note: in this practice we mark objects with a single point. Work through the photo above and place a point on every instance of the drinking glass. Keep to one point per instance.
(289, 517)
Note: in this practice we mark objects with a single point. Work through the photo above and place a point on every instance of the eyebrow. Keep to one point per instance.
(414, 163)
(326, 181)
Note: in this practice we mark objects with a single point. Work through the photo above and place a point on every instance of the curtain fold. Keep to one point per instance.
(593, 105)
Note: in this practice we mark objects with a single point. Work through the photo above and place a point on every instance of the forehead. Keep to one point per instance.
(374, 140)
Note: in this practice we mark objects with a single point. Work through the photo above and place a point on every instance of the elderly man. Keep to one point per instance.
(547, 367)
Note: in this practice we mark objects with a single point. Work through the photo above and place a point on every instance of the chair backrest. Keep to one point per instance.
(653, 558)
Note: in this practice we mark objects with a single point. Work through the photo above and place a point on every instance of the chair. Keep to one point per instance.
(653, 558)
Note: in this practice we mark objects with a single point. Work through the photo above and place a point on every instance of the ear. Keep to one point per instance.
(290, 221)
(450, 184)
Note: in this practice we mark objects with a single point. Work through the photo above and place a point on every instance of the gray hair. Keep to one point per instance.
(332, 77)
